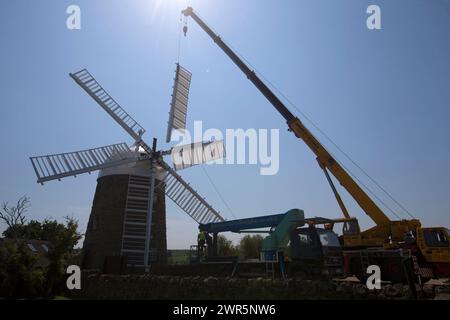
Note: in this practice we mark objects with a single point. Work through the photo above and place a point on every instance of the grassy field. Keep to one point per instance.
(177, 256)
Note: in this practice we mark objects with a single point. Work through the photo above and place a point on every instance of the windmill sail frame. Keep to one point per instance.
(57, 166)
(186, 156)
(86, 81)
(179, 104)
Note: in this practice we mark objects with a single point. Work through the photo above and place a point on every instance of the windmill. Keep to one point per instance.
(128, 211)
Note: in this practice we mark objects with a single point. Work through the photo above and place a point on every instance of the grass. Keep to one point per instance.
(178, 256)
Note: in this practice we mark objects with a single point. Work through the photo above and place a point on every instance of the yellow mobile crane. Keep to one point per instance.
(429, 247)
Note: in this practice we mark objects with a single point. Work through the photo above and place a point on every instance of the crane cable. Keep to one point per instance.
(179, 39)
(184, 29)
(336, 145)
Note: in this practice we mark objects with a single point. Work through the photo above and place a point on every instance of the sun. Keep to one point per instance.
(168, 4)
(160, 9)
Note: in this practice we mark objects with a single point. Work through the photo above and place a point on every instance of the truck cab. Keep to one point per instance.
(434, 250)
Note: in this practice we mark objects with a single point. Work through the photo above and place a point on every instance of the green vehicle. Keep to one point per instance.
(294, 246)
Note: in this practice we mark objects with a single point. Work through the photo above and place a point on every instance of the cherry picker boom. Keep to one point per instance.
(431, 244)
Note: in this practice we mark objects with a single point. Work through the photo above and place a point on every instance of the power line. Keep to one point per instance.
(367, 188)
(218, 192)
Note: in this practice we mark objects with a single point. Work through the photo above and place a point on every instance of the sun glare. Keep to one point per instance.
(154, 10)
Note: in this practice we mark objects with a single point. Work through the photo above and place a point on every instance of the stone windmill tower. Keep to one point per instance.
(128, 217)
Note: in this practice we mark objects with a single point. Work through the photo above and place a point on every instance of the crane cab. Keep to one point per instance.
(315, 252)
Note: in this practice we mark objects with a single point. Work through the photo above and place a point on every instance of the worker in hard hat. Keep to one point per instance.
(201, 239)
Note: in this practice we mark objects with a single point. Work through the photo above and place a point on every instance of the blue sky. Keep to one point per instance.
(383, 96)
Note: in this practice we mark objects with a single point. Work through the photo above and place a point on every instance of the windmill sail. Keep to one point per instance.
(186, 156)
(180, 192)
(70, 164)
(179, 104)
(57, 166)
(86, 81)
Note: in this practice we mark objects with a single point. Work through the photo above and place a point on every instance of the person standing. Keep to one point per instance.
(201, 239)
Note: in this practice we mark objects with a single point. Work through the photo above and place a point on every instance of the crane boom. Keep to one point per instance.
(324, 158)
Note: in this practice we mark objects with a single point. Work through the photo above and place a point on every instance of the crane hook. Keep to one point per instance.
(185, 30)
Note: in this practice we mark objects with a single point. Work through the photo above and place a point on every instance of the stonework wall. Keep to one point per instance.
(104, 231)
(159, 235)
(172, 287)
(103, 236)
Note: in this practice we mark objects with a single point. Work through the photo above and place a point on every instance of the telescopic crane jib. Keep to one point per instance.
(385, 228)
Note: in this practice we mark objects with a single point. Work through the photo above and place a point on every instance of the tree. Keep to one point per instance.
(32, 230)
(62, 238)
(15, 214)
(18, 277)
(250, 246)
(225, 247)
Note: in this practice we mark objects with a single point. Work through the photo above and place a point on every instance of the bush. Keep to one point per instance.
(18, 277)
